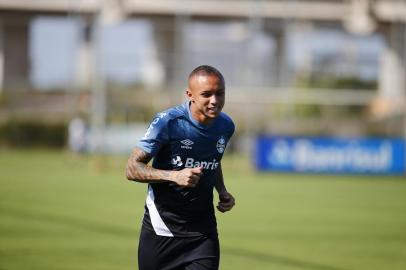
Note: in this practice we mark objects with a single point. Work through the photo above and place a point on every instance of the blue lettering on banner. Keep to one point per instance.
(331, 155)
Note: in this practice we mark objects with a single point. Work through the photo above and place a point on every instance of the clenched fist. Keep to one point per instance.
(226, 202)
(188, 177)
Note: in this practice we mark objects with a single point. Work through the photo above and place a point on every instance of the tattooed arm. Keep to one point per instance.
(138, 170)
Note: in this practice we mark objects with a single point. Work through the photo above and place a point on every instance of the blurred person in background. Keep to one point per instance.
(186, 143)
(77, 135)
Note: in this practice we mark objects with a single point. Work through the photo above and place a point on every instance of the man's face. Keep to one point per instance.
(207, 94)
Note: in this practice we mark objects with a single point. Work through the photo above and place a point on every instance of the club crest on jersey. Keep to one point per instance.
(221, 145)
(186, 144)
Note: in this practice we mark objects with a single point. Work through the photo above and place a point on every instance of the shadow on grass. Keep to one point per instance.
(59, 220)
(274, 259)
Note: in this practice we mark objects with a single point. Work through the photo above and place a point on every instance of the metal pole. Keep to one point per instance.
(98, 99)
(1, 58)
(179, 58)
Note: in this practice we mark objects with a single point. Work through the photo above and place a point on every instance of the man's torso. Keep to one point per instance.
(177, 141)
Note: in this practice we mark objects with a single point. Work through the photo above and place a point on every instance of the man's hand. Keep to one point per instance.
(226, 202)
(188, 177)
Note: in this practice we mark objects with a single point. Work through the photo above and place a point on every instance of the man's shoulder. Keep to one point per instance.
(170, 114)
(225, 117)
(159, 125)
(226, 122)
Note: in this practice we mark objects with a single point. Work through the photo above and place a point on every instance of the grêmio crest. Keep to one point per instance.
(221, 145)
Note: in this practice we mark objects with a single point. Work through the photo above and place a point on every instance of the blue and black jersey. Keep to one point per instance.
(176, 141)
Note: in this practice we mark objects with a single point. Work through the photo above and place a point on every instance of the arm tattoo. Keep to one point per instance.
(138, 170)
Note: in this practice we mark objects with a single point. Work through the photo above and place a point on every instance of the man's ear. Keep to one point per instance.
(189, 94)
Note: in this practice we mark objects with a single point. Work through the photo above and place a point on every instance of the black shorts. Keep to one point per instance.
(177, 253)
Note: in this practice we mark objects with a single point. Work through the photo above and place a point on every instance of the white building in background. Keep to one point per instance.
(60, 59)
(265, 26)
(260, 46)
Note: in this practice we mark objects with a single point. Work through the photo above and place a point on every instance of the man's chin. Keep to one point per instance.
(212, 114)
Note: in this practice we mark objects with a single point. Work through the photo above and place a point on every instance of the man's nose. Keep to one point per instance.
(213, 99)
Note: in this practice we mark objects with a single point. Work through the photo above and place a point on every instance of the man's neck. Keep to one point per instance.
(198, 116)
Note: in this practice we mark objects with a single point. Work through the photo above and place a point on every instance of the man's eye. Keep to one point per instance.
(206, 95)
(220, 93)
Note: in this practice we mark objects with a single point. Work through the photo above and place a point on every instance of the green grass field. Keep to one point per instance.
(58, 211)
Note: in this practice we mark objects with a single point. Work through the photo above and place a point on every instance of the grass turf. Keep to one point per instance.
(58, 211)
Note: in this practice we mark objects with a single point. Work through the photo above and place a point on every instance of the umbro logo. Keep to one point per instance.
(186, 144)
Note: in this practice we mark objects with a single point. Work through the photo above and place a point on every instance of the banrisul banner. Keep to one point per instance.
(330, 155)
